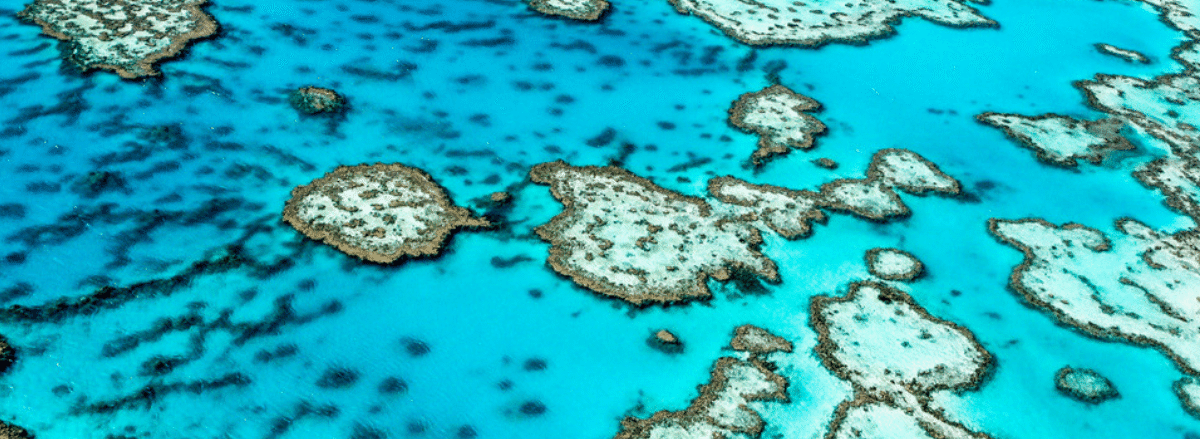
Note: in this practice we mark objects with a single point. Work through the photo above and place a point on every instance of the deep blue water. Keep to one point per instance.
(476, 106)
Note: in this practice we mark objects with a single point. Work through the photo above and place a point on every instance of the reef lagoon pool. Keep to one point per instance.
(659, 219)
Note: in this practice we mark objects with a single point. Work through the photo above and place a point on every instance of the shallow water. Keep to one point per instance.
(500, 90)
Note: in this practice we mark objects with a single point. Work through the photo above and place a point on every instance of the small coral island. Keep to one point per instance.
(893, 264)
(125, 36)
(1084, 385)
(777, 115)
(722, 410)
(380, 213)
(585, 10)
(317, 100)
(817, 22)
(895, 354)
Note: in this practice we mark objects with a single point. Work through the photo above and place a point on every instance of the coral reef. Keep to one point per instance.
(316, 100)
(623, 236)
(10, 431)
(1132, 56)
(875, 198)
(721, 410)
(894, 354)
(893, 264)
(787, 212)
(585, 10)
(758, 341)
(1140, 286)
(777, 115)
(380, 213)
(1061, 140)
(8, 355)
(818, 22)
(665, 341)
(1188, 391)
(1084, 385)
(125, 36)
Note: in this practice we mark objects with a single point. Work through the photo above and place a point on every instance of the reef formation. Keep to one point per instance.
(1084, 385)
(721, 410)
(125, 36)
(817, 22)
(756, 340)
(1132, 56)
(585, 10)
(779, 117)
(1188, 390)
(380, 213)
(893, 264)
(316, 100)
(1139, 286)
(895, 355)
(623, 236)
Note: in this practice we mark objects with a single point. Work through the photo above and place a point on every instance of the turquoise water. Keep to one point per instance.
(476, 92)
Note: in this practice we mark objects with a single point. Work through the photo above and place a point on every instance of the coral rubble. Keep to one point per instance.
(778, 116)
(380, 213)
(895, 355)
(125, 36)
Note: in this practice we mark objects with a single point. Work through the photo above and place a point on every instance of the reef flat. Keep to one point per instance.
(1062, 140)
(875, 198)
(722, 408)
(818, 22)
(1084, 385)
(893, 264)
(125, 36)
(586, 10)
(894, 354)
(1139, 286)
(623, 236)
(779, 117)
(380, 213)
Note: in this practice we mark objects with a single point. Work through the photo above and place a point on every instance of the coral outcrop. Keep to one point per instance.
(779, 117)
(380, 213)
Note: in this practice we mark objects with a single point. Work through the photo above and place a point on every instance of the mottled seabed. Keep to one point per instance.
(151, 287)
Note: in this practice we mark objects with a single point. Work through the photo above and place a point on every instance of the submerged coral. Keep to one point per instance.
(758, 341)
(125, 36)
(316, 100)
(1061, 140)
(380, 213)
(1084, 385)
(895, 355)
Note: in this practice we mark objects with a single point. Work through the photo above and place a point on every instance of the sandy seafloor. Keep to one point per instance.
(419, 76)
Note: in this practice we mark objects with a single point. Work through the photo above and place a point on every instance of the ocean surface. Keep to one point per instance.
(174, 303)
